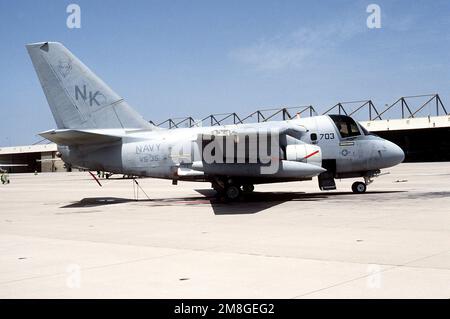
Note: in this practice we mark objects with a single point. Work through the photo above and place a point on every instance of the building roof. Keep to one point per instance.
(38, 148)
(407, 124)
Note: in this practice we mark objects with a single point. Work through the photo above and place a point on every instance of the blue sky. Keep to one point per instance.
(179, 58)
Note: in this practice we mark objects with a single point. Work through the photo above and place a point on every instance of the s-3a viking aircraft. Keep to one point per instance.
(98, 130)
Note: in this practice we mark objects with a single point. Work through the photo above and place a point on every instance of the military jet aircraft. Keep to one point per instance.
(98, 130)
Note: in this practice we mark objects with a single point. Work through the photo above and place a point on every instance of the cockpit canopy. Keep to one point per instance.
(347, 126)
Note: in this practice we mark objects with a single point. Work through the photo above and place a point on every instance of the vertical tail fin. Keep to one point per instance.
(78, 98)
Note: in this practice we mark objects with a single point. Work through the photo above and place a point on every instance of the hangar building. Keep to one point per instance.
(39, 157)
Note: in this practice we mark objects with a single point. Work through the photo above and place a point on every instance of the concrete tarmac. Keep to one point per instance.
(63, 236)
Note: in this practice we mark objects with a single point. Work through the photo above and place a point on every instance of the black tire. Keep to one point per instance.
(359, 187)
(232, 192)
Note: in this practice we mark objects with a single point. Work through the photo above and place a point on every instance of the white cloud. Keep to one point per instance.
(294, 49)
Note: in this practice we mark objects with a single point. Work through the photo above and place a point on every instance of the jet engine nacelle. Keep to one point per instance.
(306, 153)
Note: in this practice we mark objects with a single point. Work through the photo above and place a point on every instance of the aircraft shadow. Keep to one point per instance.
(258, 201)
(99, 201)
(248, 204)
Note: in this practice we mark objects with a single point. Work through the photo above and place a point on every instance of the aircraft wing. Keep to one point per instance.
(78, 137)
(291, 130)
(302, 159)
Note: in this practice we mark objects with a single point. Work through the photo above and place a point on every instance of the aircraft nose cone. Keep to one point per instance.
(394, 154)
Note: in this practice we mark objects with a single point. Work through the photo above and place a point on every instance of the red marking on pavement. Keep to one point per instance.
(312, 154)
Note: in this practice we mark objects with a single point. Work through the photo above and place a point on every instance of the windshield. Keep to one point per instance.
(366, 132)
(346, 126)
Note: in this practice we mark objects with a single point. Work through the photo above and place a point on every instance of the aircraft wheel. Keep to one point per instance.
(248, 188)
(232, 192)
(359, 187)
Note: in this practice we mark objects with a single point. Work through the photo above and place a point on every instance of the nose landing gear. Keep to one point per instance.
(361, 187)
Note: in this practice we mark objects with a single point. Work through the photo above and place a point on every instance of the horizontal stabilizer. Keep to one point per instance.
(78, 137)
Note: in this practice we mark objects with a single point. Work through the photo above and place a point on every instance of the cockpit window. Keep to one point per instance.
(366, 132)
(347, 127)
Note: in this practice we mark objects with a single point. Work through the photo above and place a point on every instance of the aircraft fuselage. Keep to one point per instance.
(150, 153)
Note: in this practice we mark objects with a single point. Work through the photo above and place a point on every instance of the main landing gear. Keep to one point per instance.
(232, 190)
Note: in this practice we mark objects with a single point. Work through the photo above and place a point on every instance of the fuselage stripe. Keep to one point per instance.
(312, 154)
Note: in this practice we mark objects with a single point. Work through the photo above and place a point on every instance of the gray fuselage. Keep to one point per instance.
(150, 153)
